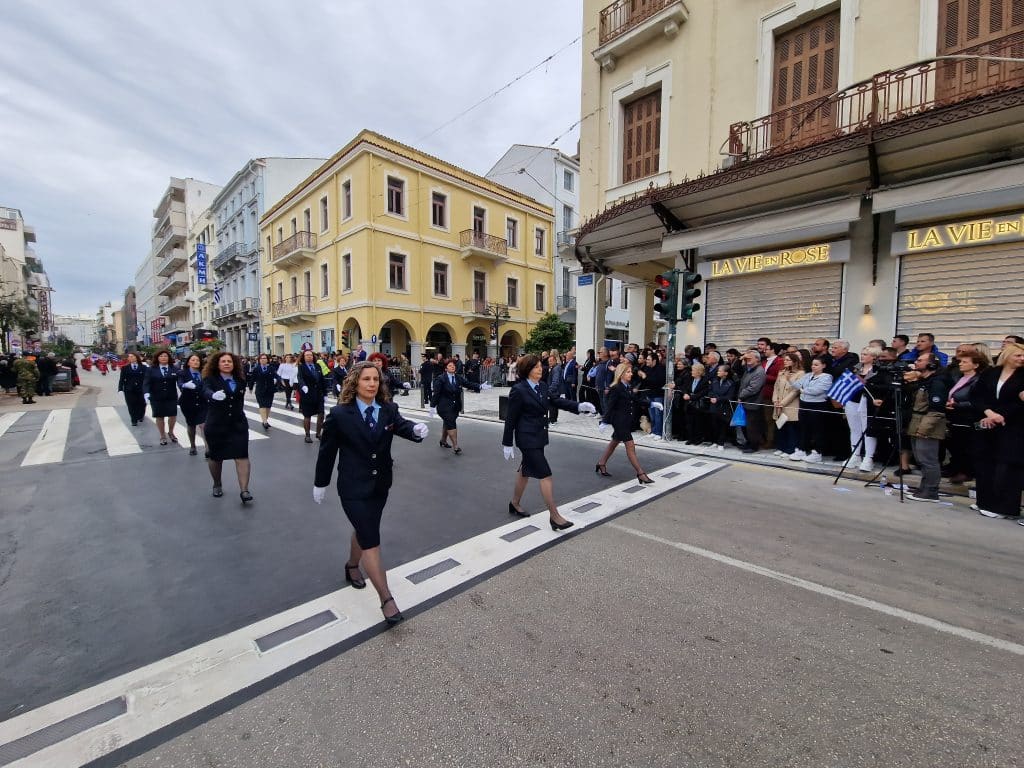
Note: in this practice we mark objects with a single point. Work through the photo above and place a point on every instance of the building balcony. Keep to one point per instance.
(627, 24)
(173, 284)
(886, 98)
(171, 215)
(236, 254)
(566, 240)
(486, 246)
(297, 309)
(565, 303)
(176, 258)
(172, 237)
(174, 304)
(243, 309)
(297, 249)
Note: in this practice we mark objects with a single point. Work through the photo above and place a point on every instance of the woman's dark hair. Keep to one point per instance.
(189, 359)
(526, 364)
(797, 360)
(212, 368)
(974, 355)
(805, 355)
(156, 356)
(821, 360)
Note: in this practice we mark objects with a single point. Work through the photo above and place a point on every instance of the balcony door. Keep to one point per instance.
(983, 28)
(806, 73)
(479, 291)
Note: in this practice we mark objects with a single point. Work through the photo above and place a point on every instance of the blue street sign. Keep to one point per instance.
(585, 280)
(201, 263)
(373, 339)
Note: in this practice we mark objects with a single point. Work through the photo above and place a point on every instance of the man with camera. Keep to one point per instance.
(928, 391)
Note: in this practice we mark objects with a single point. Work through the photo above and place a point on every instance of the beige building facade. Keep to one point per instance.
(853, 165)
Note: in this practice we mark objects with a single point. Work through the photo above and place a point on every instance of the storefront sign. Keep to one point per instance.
(201, 263)
(962, 234)
(8, 223)
(787, 258)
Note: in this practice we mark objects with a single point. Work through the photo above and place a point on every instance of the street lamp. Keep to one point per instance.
(497, 314)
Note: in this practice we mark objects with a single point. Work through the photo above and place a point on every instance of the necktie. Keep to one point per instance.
(231, 384)
(451, 380)
(264, 369)
(163, 371)
(370, 421)
(134, 367)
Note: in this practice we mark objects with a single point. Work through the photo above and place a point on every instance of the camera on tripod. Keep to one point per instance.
(892, 371)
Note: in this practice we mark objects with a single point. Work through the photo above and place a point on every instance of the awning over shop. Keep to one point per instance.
(956, 195)
(803, 224)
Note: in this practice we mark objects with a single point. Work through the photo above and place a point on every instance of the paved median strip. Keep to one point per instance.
(166, 691)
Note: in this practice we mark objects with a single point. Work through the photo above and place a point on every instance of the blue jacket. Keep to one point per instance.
(912, 354)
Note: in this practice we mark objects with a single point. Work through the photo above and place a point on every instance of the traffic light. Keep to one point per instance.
(666, 294)
(688, 307)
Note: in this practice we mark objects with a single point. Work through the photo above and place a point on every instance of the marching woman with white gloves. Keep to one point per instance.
(227, 428)
(619, 413)
(160, 390)
(263, 382)
(526, 424)
(191, 402)
(311, 382)
(359, 431)
(446, 400)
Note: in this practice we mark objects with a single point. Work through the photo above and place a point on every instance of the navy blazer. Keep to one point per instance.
(447, 397)
(230, 410)
(161, 387)
(1005, 443)
(264, 383)
(190, 398)
(315, 381)
(527, 417)
(132, 381)
(618, 410)
(364, 455)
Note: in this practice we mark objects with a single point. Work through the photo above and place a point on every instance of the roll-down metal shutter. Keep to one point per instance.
(962, 296)
(794, 306)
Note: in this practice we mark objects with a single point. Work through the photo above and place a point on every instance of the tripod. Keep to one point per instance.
(897, 448)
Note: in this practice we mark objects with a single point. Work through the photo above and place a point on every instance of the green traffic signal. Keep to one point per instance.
(690, 292)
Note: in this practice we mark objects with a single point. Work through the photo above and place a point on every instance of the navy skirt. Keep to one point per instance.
(535, 464)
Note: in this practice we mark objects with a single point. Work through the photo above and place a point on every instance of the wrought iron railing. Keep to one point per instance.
(623, 15)
(292, 306)
(470, 238)
(476, 306)
(566, 239)
(248, 304)
(233, 251)
(888, 96)
(296, 242)
(565, 302)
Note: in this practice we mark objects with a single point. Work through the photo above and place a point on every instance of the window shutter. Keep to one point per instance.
(641, 144)
(805, 71)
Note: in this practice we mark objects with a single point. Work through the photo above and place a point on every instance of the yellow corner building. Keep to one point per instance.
(394, 249)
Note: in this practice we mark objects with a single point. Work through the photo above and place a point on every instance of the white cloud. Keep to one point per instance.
(102, 102)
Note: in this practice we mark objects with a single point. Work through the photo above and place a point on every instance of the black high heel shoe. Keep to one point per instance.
(394, 619)
(602, 470)
(246, 497)
(644, 479)
(443, 444)
(517, 512)
(359, 583)
(561, 526)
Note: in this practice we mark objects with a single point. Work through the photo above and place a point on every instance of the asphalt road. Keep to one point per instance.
(107, 564)
(638, 643)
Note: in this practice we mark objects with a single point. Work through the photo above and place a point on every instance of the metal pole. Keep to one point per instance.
(670, 370)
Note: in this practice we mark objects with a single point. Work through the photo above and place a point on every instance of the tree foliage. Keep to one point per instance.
(207, 347)
(549, 333)
(62, 346)
(16, 315)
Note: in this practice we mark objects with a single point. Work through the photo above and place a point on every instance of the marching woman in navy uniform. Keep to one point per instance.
(527, 424)
(264, 381)
(619, 413)
(359, 431)
(191, 401)
(227, 428)
(160, 389)
(310, 381)
(133, 376)
(446, 402)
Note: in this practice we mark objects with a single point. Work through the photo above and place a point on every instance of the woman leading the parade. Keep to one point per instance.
(160, 390)
(446, 402)
(310, 381)
(133, 376)
(526, 426)
(191, 401)
(227, 429)
(619, 414)
(359, 432)
(264, 383)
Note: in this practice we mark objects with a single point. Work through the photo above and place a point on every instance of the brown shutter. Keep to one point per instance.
(641, 140)
(977, 27)
(805, 72)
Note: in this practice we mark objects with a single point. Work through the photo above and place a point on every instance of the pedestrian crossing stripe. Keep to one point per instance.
(7, 421)
(48, 447)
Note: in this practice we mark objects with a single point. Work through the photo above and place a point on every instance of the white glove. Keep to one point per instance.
(406, 385)
(318, 494)
(305, 390)
(338, 387)
(587, 408)
(602, 427)
(432, 413)
(509, 451)
(219, 395)
(189, 385)
(146, 396)
(656, 406)
(484, 386)
(561, 397)
(420, 430)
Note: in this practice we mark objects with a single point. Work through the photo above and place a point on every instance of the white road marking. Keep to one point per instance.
(284, 426)
(48, 447)
(7, 421)
(166, 691)
(821, 589)
(119, 439)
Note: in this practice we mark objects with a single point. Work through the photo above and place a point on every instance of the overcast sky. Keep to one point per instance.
(101, 102)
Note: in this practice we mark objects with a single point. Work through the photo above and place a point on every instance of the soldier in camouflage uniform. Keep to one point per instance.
(28, 376)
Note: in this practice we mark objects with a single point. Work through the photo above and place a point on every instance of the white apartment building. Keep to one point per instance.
(235, 267)
(147, 319)
(81, 329)
(182, 203)
(202, 249)
(21, 271)
(553, 178)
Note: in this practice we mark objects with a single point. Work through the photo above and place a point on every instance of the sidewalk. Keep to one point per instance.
(484, 407)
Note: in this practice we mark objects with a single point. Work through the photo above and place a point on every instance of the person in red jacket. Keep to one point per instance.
(772, 364)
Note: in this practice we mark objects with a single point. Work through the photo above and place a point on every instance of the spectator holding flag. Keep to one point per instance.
(848, 392)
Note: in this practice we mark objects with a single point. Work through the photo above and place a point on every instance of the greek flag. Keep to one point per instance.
(845, 387)
(216, 294)
(113, 356)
